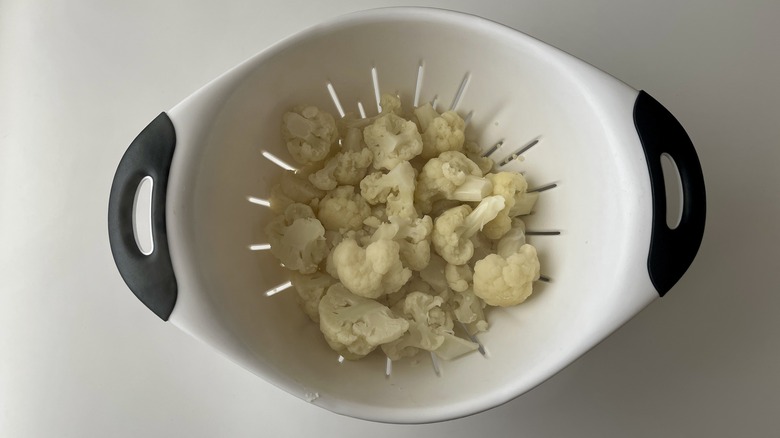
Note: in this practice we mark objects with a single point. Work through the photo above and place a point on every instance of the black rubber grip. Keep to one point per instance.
(150, 277)
(671, 250)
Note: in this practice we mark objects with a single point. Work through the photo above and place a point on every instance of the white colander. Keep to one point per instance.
(599, 225)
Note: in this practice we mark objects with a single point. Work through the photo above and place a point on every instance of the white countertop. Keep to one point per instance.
(81, 357)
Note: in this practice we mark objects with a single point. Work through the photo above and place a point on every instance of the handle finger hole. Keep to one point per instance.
(142, 216)
(674, 191)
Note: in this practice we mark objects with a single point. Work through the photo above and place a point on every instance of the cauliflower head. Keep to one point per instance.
(308, 133)
(343, 208)
(392, 139)
(372, 271)
(452, 231)
(451, 175)
(505, 282)
(297, 239)
(354, 326)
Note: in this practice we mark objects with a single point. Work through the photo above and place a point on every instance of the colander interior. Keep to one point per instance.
(514, 90)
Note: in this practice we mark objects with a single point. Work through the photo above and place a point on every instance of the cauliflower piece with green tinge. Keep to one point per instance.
(371, 271)
(343, 208)
(430, 328)
(505, 281)
(395, 188)
(308, 133)
(310, 288)
(451, 175)
(297, 239)
(354, 326)
(452, 231)
(392, 139)
(440, 133)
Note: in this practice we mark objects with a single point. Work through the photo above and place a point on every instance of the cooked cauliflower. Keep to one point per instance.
(429, 328)
(435, 276)
(452, 230)
(292, 189)
(474, 153)
(310, 288)
(347, 167)
(468, 309)
(297, 239)
(450, 176)
(308, 132)
(381, 215)
(440, 133)
(458, 277)
(354, 326)
(343, 208)
(506, 281)
(395, 188)
(371, 271)
(511, 186)
(392, 139)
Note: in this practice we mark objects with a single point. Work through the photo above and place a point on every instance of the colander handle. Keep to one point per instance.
(151, 276)
(672, 250)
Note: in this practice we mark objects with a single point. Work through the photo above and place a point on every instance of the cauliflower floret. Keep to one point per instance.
(440, 133)
(308, 133)
(372, 271)
(396, 188)
(506, 281)
(311, 288)
(450, 176)
(524, 203)
(392, 140)
(343, 208)
(355, 326)
(345, 168)
(389, 104)
(512, 240)
(468, 309)
(297, 239)
(474, 152)
(454, 228)
(412, 237)
(459, 277)
(511, 186)
(292, 189)
(429, 328)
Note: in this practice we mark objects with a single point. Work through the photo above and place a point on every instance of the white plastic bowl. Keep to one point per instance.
(206, 159)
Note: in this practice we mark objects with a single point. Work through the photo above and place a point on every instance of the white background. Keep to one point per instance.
(81, 357)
